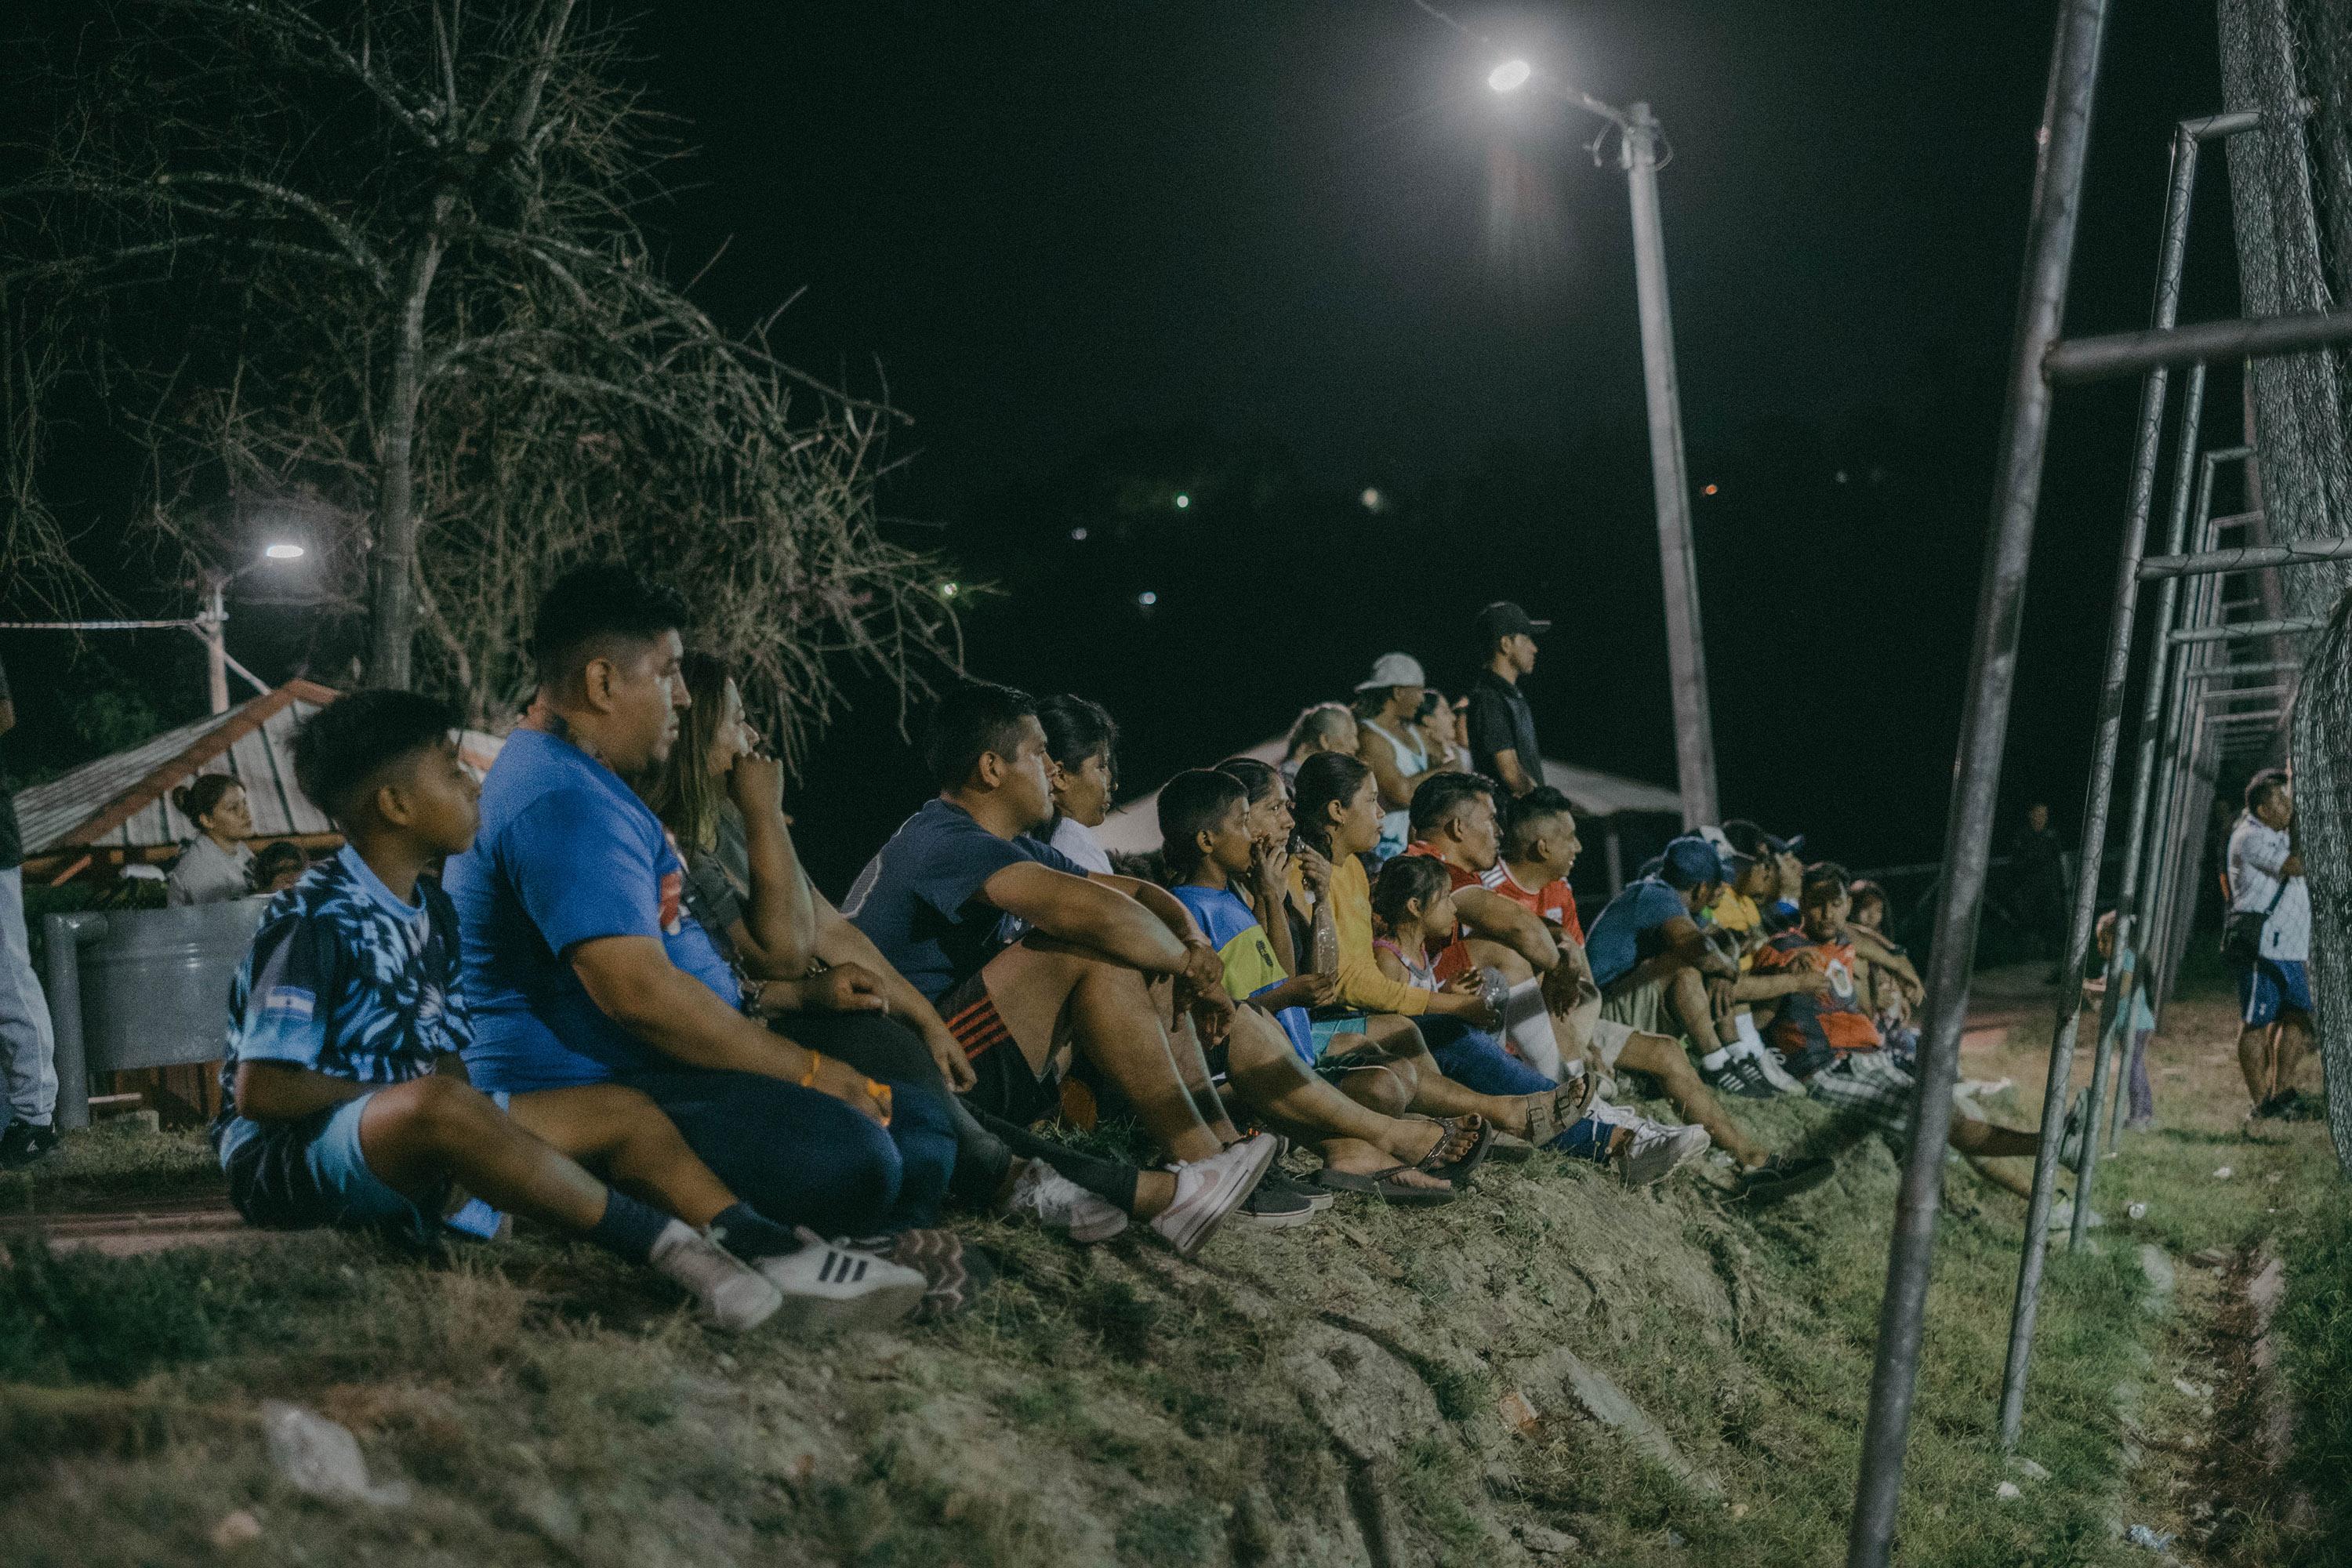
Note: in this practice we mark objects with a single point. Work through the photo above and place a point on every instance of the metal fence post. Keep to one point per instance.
(2062, 139)
(2160, 665)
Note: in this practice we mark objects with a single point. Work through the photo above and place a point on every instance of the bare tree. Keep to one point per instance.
(382, 258)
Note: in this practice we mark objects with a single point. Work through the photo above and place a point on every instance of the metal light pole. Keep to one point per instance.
(209, 626)
(1685, 647)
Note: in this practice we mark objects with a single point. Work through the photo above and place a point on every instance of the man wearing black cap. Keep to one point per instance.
(1502, 725)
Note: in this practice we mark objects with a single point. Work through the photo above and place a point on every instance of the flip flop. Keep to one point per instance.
(1456, 1171)
(1383, 1185)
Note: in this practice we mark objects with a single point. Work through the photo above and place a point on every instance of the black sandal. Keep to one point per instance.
(1384, 1185)
(1458, 1169)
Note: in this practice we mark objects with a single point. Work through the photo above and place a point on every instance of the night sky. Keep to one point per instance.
(1273, 252)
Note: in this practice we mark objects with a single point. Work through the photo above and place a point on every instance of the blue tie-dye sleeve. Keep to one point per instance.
(288, 1003)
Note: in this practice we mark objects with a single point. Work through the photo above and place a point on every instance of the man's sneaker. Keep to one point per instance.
(1208, 1190)
(25, 1142)
(1767, 1063)
(1057, 1201)
(2070, 1144)
(1781, 1177)
(1278, 1202)
(1658, 1150)
(828, 1286)
(1318, 1196)
(1738, 1076)
(728, 1292)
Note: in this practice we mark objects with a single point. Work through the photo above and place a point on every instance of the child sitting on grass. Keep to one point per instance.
(345, 1103)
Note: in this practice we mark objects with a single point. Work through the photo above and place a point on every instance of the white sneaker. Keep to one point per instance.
(1208, 1190)
(1767, 1064)
(728, 1293)
(826, 1286)
(1059, 1202)
(1658, 1150)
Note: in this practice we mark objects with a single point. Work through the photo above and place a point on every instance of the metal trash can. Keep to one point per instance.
(141, 988)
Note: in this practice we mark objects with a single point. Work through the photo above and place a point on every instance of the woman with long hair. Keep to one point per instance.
(216, 865)
(1423, 1049)
(819, 979)
(1081, 762)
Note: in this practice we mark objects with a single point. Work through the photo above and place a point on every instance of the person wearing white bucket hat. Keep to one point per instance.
(1390, 743)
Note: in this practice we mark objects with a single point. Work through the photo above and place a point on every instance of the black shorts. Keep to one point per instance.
(1009, 1088)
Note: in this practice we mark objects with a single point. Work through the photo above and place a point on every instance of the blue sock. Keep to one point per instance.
(629, 1228)
(750, 1235)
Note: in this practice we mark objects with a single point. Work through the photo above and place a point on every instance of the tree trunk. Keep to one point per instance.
(391, 584)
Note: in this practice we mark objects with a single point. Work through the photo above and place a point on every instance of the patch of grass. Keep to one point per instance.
(1173, 1533)
(2314, 1326)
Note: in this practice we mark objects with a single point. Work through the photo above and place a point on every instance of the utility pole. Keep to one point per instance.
(1685, 649)
(211, 625)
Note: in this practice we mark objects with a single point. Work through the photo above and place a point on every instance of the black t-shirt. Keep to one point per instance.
(1501, 720)
(12, 842)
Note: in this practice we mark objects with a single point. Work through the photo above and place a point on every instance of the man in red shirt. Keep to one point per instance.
(1453, 823)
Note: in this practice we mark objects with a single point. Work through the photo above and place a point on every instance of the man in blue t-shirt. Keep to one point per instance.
(1649, 956)
(584, 965)
(953, 900)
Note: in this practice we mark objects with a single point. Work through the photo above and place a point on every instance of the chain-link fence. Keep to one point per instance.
(2291, 60)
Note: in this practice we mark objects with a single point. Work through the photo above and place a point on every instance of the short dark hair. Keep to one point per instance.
(1528, 813)
(1441, 796)
(976, 718)
(1325, 779)
(1866, 891)
(272, 861)
(1403, 879)
(2263, 785)
(346, 746)
(1261, 779)
(1077, 729)
(1191, 801)
(1822, 877)
(590, 603)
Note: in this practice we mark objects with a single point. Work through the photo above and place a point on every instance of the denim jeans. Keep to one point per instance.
(804, 1158)
(29, 1050)
(1478, 1061)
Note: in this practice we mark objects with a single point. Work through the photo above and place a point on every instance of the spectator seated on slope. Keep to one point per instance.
(1325, 727)
(1827, 1040)
(817, 978)
(1205, 824)
(1029, 958)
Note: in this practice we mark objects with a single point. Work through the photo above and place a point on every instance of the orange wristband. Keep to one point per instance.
(816, 1059)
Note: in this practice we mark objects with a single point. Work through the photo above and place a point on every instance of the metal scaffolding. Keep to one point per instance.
(2185, 721)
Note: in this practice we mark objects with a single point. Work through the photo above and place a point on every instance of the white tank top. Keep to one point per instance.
(1396, 826)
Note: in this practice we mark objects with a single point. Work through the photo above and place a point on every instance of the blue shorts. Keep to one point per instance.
(2272, 986)
(302, 1174)
(1321, 1032)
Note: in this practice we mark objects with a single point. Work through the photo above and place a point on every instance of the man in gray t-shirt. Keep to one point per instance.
(28, 1048)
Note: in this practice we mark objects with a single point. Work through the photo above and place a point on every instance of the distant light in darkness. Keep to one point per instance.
(949, 590)
(1079, 534)
(1708, 491)
(1147, 598)
(1510, 76)
(284, 553)
(1182, 500)
(1372, 499)
(1841, 476)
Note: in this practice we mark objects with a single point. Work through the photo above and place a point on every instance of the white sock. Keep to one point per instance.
(1527, 1022)
(1712, 1061)
(1744, 1025)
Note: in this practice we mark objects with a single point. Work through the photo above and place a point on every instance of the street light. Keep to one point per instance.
(208, 624)
(1637, 155)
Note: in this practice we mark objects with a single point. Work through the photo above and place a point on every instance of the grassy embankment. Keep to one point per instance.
(1342, 1394)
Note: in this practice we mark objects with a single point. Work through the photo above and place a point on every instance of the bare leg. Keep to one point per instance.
(2258, 1061)
(621, 1135)
(1193, 1066)
(1687, 999)
(2294, 1048)
(1393, 1044)
(417, 1134)
(1665, 1060)
(1987, 1141)
(1351, 1136)
(1110, 1015)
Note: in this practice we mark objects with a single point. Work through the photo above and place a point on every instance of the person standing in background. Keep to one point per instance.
(2039, 866)
(1502, 725)
(27, 1047)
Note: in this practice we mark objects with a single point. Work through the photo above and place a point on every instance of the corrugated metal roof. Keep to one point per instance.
(1134, 829)
(124, 801)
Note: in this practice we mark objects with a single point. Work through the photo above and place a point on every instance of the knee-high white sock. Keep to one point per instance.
(1527, 1022)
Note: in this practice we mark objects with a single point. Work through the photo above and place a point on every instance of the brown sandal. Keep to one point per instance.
(1556, 1110)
